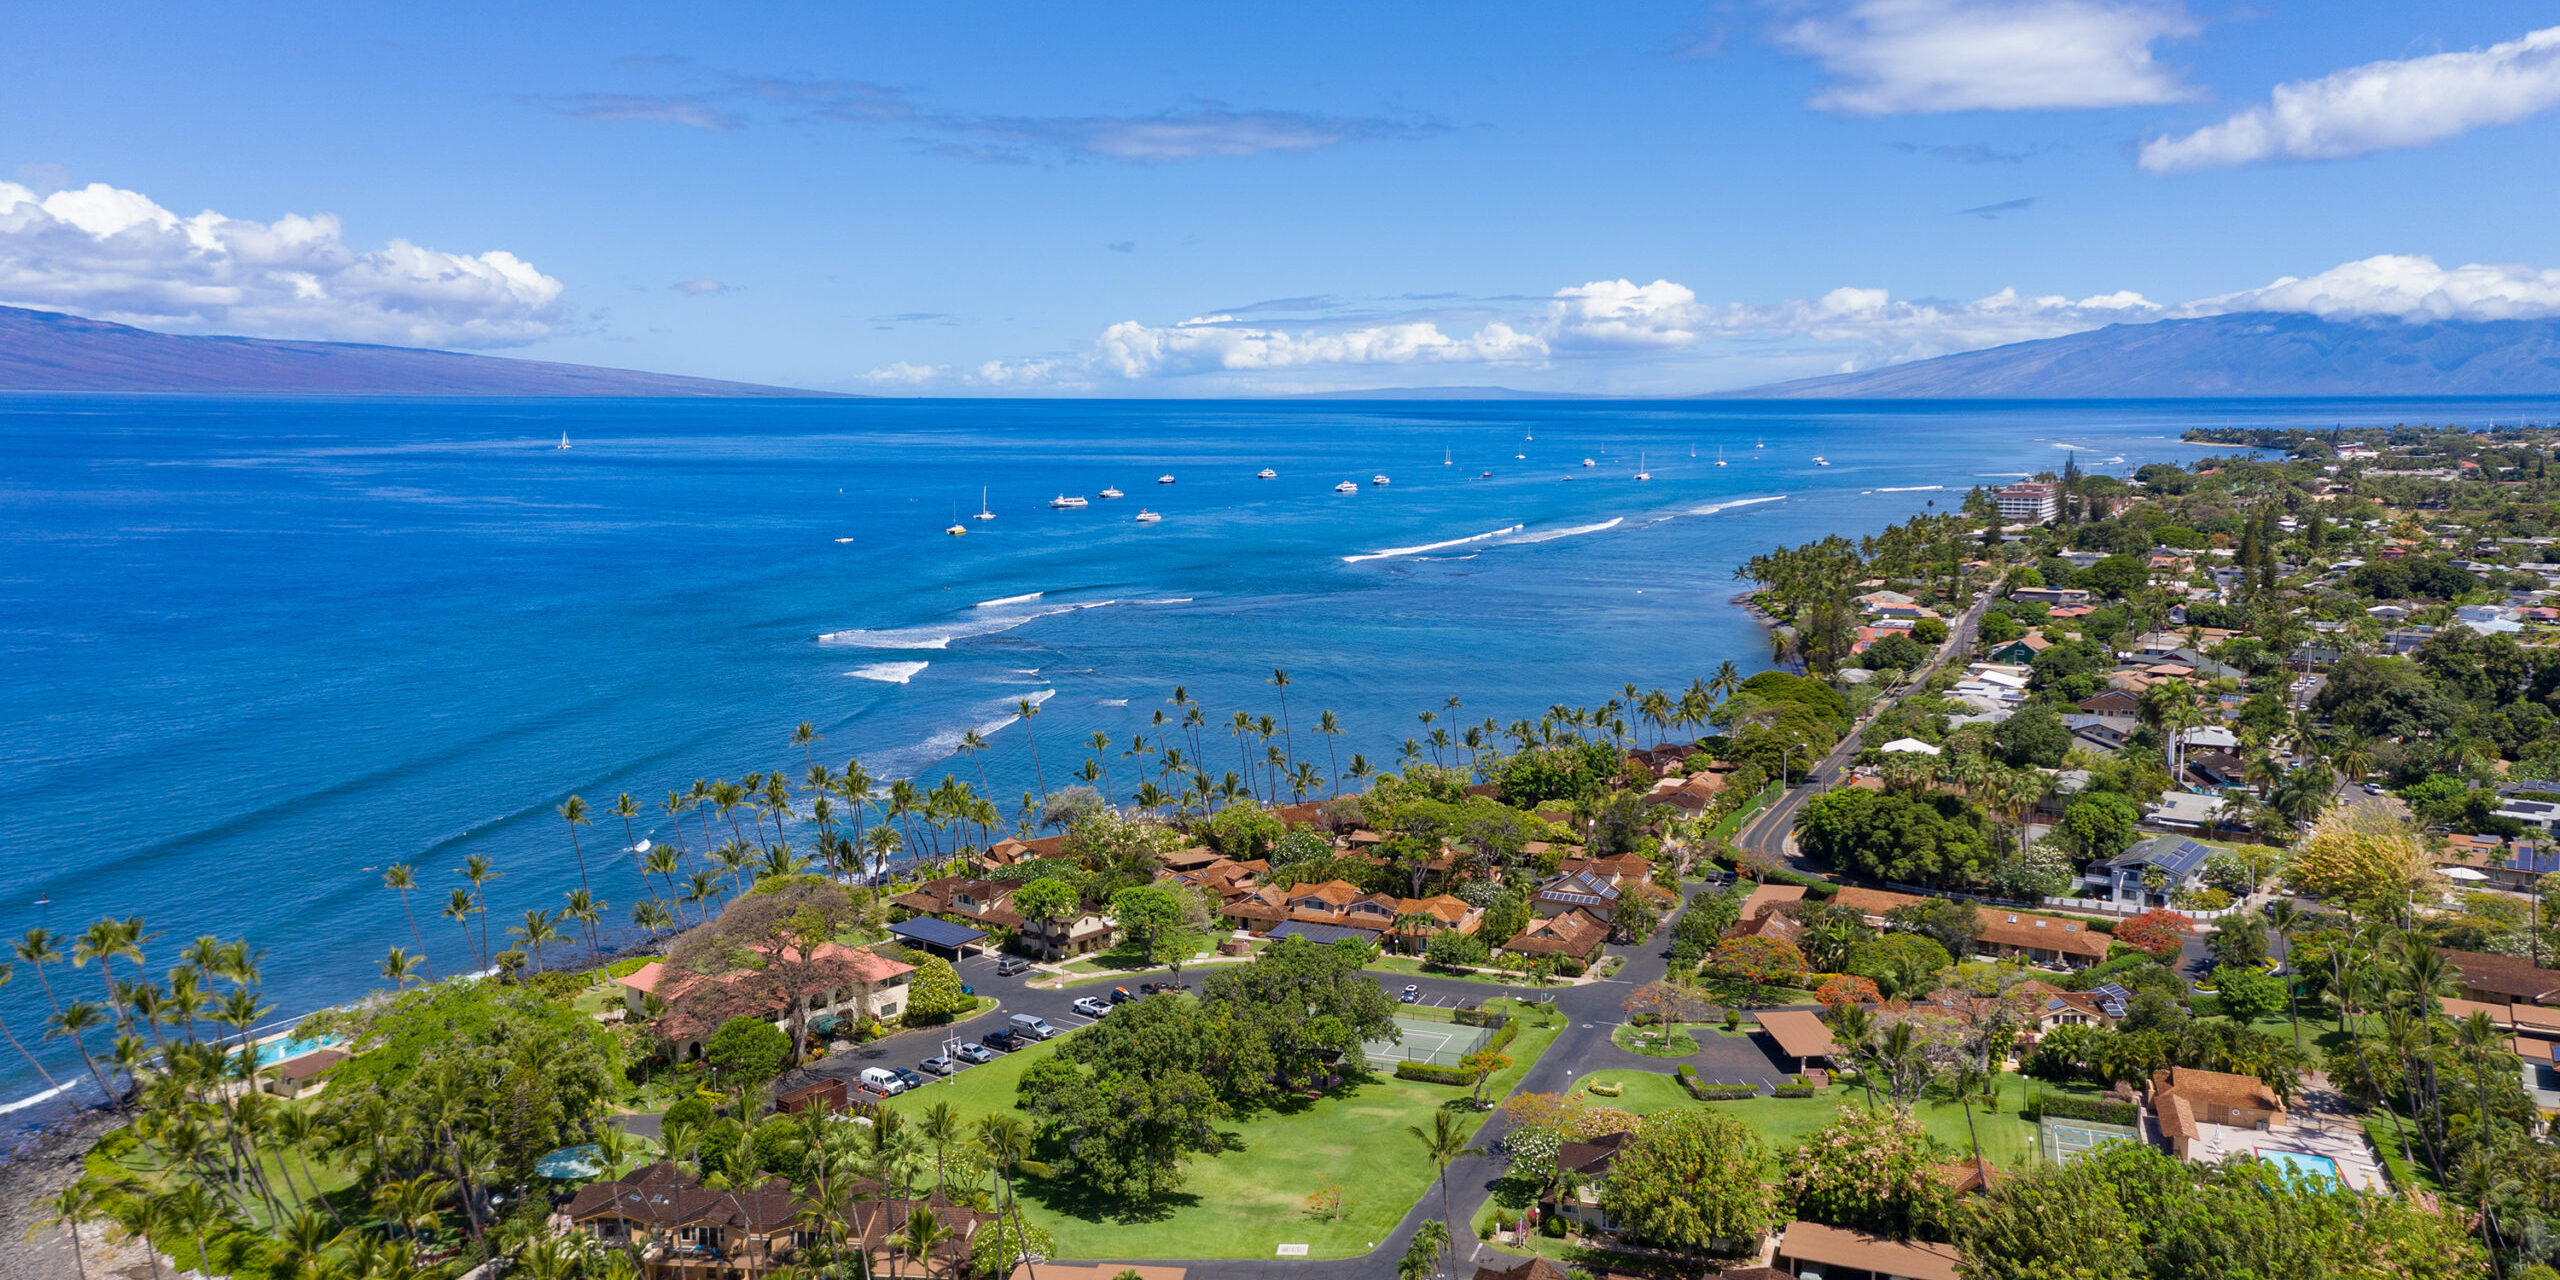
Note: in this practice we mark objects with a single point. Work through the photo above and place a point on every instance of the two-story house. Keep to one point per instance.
(832, 983)
(2151, 872)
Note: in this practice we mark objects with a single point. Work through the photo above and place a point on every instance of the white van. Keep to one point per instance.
(883, 1081)
(1031, 1025)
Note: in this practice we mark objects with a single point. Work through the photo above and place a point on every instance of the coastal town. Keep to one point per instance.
(2108, 872)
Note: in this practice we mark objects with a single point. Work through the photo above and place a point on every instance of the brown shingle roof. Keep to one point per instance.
(1832, 1246)
(2041, 933)
(1799, 1032)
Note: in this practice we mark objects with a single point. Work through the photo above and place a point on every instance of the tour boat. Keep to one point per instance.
(1589, 463)
(1266, 474)
(1064, 503)
(1820, 461)
(1147, 517)
(1346, 487)
(983, 512)
(1641, 473)
(564, 439)
(1113, 492)
(1166, 478)
(1522, 456)
(1378, 479)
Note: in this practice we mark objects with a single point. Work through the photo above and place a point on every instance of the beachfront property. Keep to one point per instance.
(2029, 503)
(841, 983)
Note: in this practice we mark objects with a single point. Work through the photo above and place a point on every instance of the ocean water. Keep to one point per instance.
(259, 649)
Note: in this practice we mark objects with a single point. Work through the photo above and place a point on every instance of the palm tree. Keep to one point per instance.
(1007, 1139)
(1726, 682)
(805, 736)
(1443, 1144)
(584, 909)
(80, 1201)
(401, 968)
(1025, 709)
(74, 1022)
(403, 877)
(476, 869)
(536, 930)
(661, 862)
(627, 808)
(2283, 917)
(1359, 770)
(458, 908)
(924, 1234)
(574, 811)
(105, 942)
(1280, 681)
(652, 914)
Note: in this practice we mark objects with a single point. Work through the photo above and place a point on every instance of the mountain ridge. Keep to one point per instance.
(2243, 354)
(58, 351)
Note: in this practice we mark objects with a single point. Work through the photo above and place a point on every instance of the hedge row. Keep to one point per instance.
(1473, 1017)
(2063, 1106)
(1688, 1077)
(1429, 1074)
(1502, 1036)
(1793, 1091)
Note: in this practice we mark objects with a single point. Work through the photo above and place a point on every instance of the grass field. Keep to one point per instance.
(2007, 1140)
(1412, 967)
(1655, 1042)
(1644, 1092)
(1247, 1202)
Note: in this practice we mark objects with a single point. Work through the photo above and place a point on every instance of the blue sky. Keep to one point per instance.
(1204, 200)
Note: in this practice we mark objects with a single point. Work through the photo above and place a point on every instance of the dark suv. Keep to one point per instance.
(1001, 1041)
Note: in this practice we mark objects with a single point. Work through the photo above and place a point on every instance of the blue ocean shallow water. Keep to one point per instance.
(259, 649)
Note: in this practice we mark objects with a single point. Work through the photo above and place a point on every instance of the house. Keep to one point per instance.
(2049, 1006)
(830, 983)
(2050, 596)
(2532, 813)
(1874, 903)
(1074, 934)
(1420, 918)
(2105, 735)
(2495, 979)
(984, 903)
(1532, 1269)
(2045, 940)
(2183, 1100)
(302, 1074)
(2185, 809)
(2174, 863)
(1908, 746)
(2112, 702)
(1342, 904)
(2023, 649)
(1586, 890)
(1834, 1253)
(1585, 1164)
(682, 1230)
(1766, 898)
(1575, 935)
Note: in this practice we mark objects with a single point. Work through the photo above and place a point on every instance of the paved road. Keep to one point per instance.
(1592, 1011)
(1766, 834)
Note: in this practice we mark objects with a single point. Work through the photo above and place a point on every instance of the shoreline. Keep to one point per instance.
(48, 1161)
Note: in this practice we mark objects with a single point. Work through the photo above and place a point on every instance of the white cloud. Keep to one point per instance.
(1895, 57)
(116, 255)
(2411, 287)
(1888, 329)
(2377, 107)
(699, 287)
(1130, 349)
(905, 374)
(1622, 313)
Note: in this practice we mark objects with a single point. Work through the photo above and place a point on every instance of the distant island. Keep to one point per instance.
(52, 351)
(2248, 354)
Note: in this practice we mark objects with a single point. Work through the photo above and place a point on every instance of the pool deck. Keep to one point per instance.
(2313, 1133)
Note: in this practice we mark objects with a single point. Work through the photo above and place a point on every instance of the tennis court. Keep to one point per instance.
(2067, 1140)
(1440, 1044)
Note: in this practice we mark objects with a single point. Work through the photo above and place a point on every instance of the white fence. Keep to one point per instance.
(2105, 906)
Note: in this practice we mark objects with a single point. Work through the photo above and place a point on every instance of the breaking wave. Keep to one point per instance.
(1551, 535)
(1392, 552)
(890, 672)
(1729, 504)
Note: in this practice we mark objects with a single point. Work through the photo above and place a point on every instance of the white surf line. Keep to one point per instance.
(1001, 601)
(1551, 535)
(1392, 552)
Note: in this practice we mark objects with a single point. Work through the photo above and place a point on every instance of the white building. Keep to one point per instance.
(2030, 503)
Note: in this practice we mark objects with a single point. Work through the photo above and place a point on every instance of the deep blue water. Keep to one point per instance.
(256, 650)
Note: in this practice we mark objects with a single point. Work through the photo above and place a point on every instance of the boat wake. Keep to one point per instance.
(890, 672)
(1550, 535)
(1715, 508)
(1393, 552)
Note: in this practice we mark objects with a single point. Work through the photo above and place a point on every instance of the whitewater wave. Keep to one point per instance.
(981, 621)
(1550, 535)
(943, 744)
(890, 672)
(35, 1098)
(1392, 552)
(1729, 504)
(1912, 488)
(1112, 702)
(1001, 601)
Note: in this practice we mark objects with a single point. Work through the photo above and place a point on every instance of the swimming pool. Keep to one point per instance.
(275, 1051)
(2303, 1162)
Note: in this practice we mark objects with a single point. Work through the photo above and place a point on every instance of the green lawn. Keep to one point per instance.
(2007, 1140)
(1654, 1042)
(2405, 1172)
(1248, 1201)
(1644, 1092)
(1732, 822)
(1412, 967)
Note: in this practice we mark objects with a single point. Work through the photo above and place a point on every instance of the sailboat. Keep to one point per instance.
(1820, 461)
(957, 529)
(1445, 460)
(983, 513)
(1693, 450)
(1719, 455)
(564, 439)
(1760, 444)
(1641, 473)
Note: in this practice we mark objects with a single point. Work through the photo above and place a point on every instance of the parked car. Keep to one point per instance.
(2373, 788)
(1001, 1041)
(883, 1081)
(976, 1053)
(1150, 988)
(1090, 1007)
(1120, 995)
(1031, 1027)
(1010, 966)
(938, 1066)
(909, 1078)
(1412, 994)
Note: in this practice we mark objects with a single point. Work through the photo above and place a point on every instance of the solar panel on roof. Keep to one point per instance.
(938, 933)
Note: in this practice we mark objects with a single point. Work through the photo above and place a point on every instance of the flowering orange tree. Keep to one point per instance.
(2157, 933)
(1843, 990)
